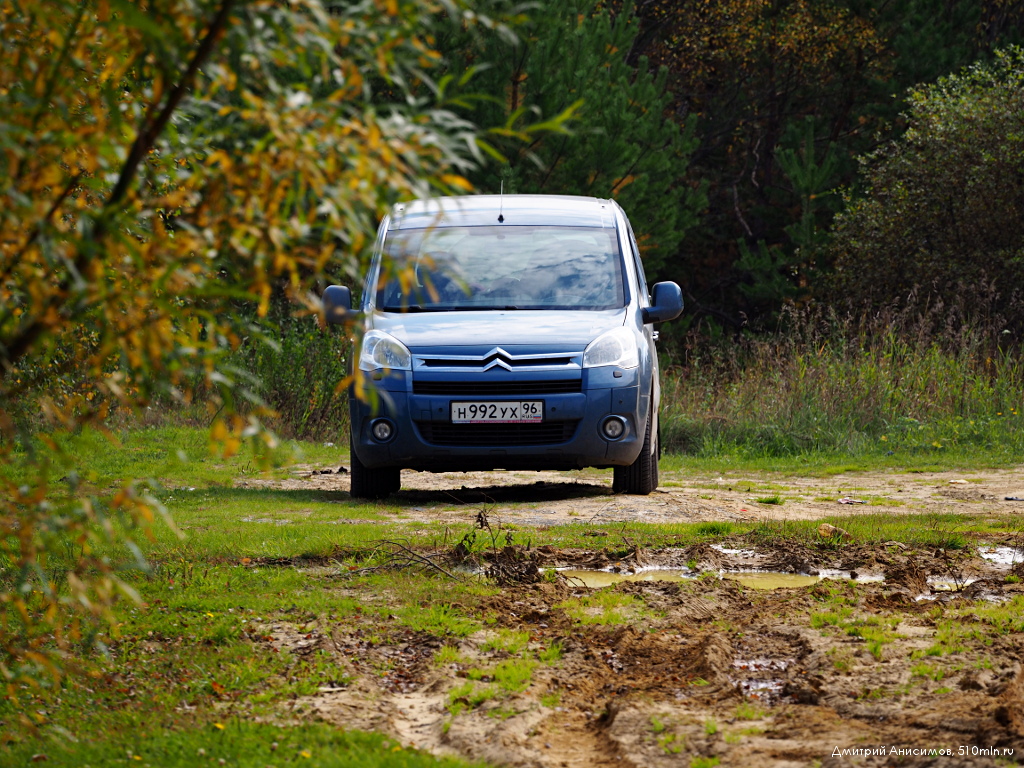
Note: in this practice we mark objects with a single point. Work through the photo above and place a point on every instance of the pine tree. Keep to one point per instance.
(622, 144)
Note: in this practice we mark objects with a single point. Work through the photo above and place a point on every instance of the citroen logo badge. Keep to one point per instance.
(497, 356)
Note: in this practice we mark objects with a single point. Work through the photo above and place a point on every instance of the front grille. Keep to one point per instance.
(497, 435)
(491, 388)
(506, 362)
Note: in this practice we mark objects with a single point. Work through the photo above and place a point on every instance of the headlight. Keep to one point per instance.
(379, 350)
(617, 347)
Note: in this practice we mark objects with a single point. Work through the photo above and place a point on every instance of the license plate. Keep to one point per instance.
(498, 412)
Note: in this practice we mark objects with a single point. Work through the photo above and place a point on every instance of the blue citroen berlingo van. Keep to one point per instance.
(504, 332)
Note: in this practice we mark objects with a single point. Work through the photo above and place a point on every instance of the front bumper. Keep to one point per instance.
(569, 437)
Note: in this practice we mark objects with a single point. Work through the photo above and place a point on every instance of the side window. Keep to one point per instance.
(370, 284)
(645, 297)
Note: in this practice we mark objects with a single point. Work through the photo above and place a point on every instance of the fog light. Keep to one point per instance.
(613, 427)
(382, 430)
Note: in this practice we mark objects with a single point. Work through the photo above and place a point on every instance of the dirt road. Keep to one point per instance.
(907, 657)
(555, 498)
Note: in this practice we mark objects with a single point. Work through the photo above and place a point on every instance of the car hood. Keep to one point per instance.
(564, 329)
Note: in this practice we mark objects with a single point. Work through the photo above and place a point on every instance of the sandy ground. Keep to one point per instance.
(554, 498)
(923, 668)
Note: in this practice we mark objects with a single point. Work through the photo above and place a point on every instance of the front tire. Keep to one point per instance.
(641, 477)
(372, 483)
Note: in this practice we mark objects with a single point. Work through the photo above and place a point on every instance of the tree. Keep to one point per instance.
(756, 73)
(572, 54)
(163, 164)
(942, 205)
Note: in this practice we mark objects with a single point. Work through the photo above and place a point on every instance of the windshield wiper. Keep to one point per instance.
(419, 308)
(487, 308)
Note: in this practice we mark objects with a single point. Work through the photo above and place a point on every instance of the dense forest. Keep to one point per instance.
(734, 132)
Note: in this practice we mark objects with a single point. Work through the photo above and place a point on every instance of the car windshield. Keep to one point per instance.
(494, 267)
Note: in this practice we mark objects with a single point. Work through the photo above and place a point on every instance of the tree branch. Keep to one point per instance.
(151, 128)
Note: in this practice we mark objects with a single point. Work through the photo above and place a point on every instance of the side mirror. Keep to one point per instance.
(337, 301)
(666, 303)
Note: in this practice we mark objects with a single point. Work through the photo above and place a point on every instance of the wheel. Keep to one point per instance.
(372, 483)
(641, 477)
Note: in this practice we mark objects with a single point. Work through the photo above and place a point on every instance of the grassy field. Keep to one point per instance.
(184, 677)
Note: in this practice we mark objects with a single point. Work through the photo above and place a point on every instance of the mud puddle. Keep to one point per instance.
(752, 579)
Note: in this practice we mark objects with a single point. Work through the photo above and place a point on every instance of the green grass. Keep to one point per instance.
(506, 678)
(469, 695)
(604, 607)
(929, 671)
(509, 641)
(196, 489)
(514, 675)
(830, 618)
(197, 645)
(552, 654)
(897, 389)
(974, 626)
(448, 654)
(174, 457)
(748, 711)
(237, 560)
(671, 743)
(876, 633)
(437, 619)
(552, 699)
(239, 743)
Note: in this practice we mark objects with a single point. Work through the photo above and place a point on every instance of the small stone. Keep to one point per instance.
(827, 531)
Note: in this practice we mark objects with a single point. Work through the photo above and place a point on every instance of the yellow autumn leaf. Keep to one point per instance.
(454, 180)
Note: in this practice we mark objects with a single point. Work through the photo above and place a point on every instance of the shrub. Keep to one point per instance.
(943, 204)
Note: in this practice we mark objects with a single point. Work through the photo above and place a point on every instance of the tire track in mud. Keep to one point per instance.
(707, 670)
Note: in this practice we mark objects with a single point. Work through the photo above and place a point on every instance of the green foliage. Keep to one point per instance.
(830, 618)
(671, 743)
(624, 145)
(298, 370)
(757, 75)
(784, 272)
(437, 619)
(939, 216)
(447, 654)
(927, 670)
(514, 675)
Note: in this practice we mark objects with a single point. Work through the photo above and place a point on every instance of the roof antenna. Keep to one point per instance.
(501, 203)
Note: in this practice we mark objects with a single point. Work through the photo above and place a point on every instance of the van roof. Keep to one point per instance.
(514, 210)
